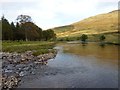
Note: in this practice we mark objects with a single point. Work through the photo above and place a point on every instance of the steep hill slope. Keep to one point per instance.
(102, 23)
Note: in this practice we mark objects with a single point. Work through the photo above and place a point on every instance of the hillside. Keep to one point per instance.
(102, 23)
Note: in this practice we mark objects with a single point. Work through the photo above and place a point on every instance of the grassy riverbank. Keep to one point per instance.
(40, 47)
(21, 58)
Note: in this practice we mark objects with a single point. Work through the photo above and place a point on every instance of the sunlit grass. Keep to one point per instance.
(94, 26)
(110, 37)
(22, 46)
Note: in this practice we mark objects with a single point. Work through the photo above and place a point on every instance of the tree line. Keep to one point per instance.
(25, 30)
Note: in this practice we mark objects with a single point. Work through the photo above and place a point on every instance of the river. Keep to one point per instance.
(77, 66)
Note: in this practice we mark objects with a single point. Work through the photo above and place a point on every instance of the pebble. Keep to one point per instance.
(15, 66)
(22, 73)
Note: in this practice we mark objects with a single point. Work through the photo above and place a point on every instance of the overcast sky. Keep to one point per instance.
(52, 13)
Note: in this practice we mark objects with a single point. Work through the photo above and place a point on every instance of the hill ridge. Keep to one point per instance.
(101, 23)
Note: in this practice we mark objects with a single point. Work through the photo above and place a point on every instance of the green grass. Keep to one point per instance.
(110, 38)
(42, 51)
(99, 24)
(40, 47)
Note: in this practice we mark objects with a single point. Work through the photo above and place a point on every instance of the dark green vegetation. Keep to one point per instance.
(83, 37)
(26, 36)
(102, 38)
(39, 47)
(24, 30)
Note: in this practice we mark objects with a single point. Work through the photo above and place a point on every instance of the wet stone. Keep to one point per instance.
(15, 66)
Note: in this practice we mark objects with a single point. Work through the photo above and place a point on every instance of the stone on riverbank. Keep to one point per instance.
(16, 65)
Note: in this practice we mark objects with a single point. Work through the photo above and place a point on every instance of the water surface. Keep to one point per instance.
(78, 66)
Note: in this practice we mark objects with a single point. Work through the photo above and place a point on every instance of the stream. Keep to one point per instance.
(77, 66)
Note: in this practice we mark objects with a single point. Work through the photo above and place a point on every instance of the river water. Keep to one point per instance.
(77, 66)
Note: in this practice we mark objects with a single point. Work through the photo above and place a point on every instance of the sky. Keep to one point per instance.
(53, 13)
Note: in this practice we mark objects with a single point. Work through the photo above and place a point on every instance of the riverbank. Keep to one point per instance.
(16, 65)
(79, 42)
(20, 58)
(71, 67)
(23, 46)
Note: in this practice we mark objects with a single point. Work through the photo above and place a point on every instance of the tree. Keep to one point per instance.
(45, 35)
(13, 30)
(7, 33)
(33, 32)
(48, 34)
(22, 19)
(39, 30)
(51, 34)
(83, 37)
(102, 38)
(19, 32)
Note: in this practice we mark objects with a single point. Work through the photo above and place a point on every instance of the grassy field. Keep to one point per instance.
(93, 27)
(39, 47)
(110, 38)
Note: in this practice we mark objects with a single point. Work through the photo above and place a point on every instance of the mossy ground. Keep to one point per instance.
(40, 47)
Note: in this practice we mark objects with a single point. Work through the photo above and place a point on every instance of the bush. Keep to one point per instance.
(83, 37)
(102, 38)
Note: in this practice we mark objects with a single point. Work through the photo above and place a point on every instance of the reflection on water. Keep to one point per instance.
(77, 66)
(108, 52)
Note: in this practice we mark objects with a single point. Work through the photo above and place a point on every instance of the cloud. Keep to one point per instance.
(51, 13)
(6, 1)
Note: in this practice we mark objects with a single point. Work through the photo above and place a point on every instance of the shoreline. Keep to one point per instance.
(17, 65)
(79, 42)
